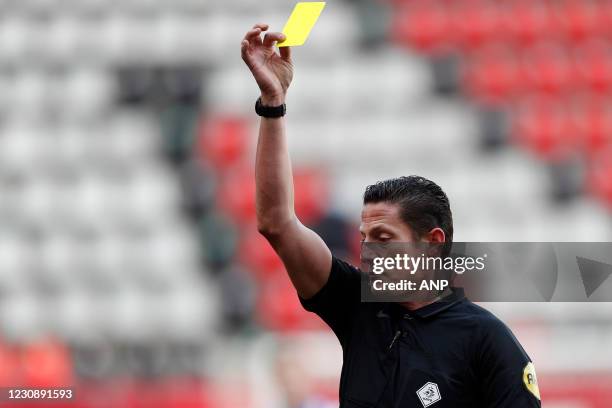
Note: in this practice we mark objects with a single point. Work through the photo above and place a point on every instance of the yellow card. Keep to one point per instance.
(301, 21)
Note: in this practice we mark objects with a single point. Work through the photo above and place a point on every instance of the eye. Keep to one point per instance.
(384, 238)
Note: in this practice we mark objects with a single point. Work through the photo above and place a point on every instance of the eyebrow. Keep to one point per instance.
(378, 229)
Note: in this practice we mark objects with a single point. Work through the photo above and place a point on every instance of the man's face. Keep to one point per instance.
(381, 222)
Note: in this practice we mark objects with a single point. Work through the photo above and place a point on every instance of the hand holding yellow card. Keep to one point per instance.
(301, 21)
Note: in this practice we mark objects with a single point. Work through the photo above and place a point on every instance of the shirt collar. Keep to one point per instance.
(456, 296)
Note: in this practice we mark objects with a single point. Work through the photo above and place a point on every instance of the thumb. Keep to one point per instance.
(285, 53)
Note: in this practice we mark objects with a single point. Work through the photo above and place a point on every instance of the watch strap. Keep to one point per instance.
(270, 111)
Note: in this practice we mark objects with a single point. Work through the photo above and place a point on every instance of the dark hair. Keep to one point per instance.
(423, 204)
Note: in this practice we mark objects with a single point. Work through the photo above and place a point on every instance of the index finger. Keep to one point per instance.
(252, 36)
(270, 38)
(262, 26)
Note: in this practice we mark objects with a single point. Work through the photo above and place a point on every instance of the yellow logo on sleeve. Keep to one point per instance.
(530, 379)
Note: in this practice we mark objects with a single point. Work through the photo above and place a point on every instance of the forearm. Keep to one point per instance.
(273, 176)
(304, 254)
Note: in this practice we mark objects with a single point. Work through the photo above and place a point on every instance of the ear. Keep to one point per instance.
(436, 236)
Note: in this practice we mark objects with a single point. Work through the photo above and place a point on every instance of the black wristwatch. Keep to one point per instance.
(270, 111)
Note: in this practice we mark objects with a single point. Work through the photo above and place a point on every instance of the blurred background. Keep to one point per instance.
(130, 265)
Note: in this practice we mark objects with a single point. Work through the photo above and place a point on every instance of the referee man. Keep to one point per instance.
(443, 353)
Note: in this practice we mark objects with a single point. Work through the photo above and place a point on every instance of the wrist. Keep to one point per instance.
(272, 100)
(274, 109)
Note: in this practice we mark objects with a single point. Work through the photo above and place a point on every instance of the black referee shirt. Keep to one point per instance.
(451, 353)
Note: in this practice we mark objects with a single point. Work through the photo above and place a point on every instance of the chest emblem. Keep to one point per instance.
(429, 394)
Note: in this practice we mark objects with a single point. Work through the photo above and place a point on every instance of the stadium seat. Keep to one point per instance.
(183, 38)
(311, 194)
(526, 21)
(546, 68)
(223, 141)
(424, 26)
(593, 65)
(238, 290)
(578, 20)
(167, 392)
(89, 91)
(9, 364)
(593, 122)
(130, 137)
(544, 127)
(258, 256)
(136, 84)
(475, 23)
(491, 76)
(219, 240)
(134, 40)
(46, 363)
(599, 182)
(279, 308)
(22, 316)
(236, 196)
(16, 259)
(198, 182)
(32, 91)
(14, 33)
(187, 313)
(100, 107)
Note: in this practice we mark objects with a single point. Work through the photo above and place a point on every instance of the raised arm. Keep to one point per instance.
(304, 254)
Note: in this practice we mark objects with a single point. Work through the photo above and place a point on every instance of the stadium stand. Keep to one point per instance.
(129, 260)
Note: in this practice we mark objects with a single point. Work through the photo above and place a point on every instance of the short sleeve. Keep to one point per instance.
(336, 301)
(507, 375)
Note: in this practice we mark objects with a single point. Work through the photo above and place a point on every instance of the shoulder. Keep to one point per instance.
(344, 267)
(492, 337)
(485, 321)
(486, 331)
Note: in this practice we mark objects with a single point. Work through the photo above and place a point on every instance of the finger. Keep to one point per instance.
(270, 38)
(252, 36)
(285, 53)
(262, 26)
(244, 52)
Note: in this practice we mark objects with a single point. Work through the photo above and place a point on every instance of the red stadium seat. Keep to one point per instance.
(526, 21)
(310, 194)
(546, 68)
(165, 393)
(475, 23)
(46, 363)
(590, 389)
(223, 141)
(424, 26)
(593, 122)
(9, 365)
(492, 76)
(95, 394)
(593, 65)
(257, 254)
(236, 196)
(279, 308)
(577, 20)
(237, 199)
(605, 13)
(543, 127)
